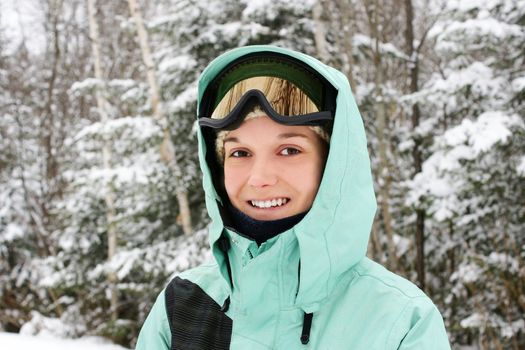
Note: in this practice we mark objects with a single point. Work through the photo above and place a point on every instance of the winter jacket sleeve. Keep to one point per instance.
(420, 327)
(155, 333)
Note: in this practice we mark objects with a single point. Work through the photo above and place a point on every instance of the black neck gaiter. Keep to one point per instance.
(258, 230)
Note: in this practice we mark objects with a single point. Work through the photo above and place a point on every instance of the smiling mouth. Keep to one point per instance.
(268, 204)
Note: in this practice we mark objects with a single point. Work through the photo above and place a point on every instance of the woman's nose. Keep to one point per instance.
(262, 174)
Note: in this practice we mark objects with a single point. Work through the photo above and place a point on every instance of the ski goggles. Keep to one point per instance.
(287, 90)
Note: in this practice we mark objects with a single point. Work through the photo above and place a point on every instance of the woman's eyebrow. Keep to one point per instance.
(231, 139)
(287, 135)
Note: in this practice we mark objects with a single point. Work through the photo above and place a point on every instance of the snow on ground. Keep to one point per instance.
(12, 341)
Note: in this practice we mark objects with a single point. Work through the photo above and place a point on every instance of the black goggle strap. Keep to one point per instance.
(253, 97)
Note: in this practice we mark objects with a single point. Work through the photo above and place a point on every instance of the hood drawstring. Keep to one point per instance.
(224, 246)
(307, 319)
(226, 305)
(307, 325)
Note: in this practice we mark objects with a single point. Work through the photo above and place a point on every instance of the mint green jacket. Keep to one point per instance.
(319, 266)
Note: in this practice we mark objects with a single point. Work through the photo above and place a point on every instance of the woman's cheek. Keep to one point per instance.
(232, 181)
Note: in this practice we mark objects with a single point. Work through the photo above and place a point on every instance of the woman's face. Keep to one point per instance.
(272, 171)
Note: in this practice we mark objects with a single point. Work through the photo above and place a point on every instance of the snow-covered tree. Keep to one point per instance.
(37, 117)
(471, 185)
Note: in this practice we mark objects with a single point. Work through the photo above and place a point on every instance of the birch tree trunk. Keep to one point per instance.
(102, 105)
(343, 14)
(167, 149)
(382, 138)
(320, 31)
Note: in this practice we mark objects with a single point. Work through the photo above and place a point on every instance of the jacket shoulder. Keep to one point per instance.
(155, 333)
(208, 277)
(417, 324)
(379, 276)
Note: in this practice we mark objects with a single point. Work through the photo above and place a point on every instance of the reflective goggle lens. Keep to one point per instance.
(284, 97)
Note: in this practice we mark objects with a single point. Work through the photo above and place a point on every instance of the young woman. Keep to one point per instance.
(289, 191)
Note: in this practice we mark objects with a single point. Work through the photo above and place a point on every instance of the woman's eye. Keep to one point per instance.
(239, 154)
(288, 151)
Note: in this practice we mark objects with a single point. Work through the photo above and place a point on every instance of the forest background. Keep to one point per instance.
(100, 195)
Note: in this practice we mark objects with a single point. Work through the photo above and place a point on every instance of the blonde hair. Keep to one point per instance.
(285, 98)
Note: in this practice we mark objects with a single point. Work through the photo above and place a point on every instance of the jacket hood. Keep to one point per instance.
(334, 235)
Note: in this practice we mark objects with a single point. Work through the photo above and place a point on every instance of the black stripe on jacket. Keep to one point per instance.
(196, 320)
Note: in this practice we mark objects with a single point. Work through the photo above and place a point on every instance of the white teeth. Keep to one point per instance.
(269, 203)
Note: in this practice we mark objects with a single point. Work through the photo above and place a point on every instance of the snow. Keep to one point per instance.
(467, 140)
(49, 327)
(478, 76)
(260, 8)
(489, 129)
(120, 174)
(402, 244)
(269, 9)
(184, 99)
(43, 272)
(482, 5)
(508, 329)
(385, 48)
(175, 256)
(426, 127)
(476, 79)
(485, 27)
(22, 21)
(440, 176)
(182, 62)
(504, 262)
(138, 128)
(80, 87)
(518, 84)
(123, 84)
(468, 273)
(474, 320)
(11, 341)
(482, 26)
(121, 263)
(12, 231)
(126, 88)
